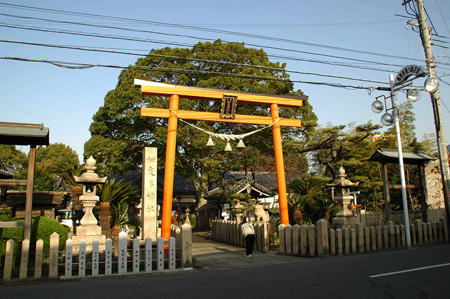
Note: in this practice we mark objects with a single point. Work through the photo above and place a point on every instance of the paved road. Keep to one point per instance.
(210, 256)
(368, 275)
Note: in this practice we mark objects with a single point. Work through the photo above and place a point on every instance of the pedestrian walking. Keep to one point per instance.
(248, 231)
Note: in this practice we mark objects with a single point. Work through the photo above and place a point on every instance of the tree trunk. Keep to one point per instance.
(105, 219)
(77, 206)
(115, 236)
(298, 217)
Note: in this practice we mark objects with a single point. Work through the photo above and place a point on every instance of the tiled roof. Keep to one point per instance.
(180, 184)
(387, 155)
(23, 134)
(236, 181)
(6, 170)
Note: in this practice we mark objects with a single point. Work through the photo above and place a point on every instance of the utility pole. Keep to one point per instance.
(435, 100)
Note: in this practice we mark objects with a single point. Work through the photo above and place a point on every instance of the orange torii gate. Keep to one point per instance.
(229, 100)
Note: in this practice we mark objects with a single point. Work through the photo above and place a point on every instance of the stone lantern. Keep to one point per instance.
(238, 207)
(344, 218)
(89, 229)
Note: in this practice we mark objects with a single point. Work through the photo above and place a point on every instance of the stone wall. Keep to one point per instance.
(434, 193)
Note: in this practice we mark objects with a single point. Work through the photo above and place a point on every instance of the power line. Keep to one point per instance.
(82, 65)
(190, 59)
(189, 27)
(109, 36)
(201, 38)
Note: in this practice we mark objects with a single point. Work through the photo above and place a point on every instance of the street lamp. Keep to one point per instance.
(402, 80)
(431, 84)
(388, 119)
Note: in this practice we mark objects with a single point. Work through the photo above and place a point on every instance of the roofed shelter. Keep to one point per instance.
(386, 156)
(31, 135)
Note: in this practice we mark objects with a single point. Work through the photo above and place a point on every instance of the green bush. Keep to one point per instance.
(193, 221)
(41, 229)
(5, 214)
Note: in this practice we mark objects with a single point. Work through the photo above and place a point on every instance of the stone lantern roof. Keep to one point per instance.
(342, 182)
(90, 177)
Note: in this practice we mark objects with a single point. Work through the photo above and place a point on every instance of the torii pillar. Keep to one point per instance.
(176, 91)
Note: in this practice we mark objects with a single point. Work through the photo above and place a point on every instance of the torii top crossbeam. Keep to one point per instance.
(176, 91)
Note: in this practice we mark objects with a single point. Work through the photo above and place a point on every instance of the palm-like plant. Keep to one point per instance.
(307, 199)
(298, 203)
(113, 192)
(119, 214)
(67, 173)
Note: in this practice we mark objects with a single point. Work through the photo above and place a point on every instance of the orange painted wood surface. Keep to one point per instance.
(161, 89)
(214, 116)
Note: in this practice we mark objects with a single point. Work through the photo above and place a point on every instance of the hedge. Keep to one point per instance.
(41, 229)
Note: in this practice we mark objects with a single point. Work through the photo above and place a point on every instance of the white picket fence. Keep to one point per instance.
(98, 261)
(320, 240)
(229, 232)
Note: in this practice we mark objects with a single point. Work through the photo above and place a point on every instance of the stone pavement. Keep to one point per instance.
(210, 255)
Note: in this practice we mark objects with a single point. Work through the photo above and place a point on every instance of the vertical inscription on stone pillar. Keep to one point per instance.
(149, 204)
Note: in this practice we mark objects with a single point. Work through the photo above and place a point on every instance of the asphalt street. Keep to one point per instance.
(407, 273)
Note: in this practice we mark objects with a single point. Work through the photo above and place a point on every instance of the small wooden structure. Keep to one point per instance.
(385, 156)
(24, 134)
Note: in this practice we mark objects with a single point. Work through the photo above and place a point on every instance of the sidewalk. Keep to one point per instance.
(210, 255)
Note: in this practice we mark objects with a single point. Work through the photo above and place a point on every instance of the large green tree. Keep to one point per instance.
(12, 156)
(56, 154)
(119, 133)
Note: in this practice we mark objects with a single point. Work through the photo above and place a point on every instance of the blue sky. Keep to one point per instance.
(65, 99)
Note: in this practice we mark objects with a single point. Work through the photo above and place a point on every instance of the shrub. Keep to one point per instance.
(41, 229)
(5, 214)
(193, 221)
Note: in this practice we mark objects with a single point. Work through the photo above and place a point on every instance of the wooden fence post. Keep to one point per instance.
(186, 246)
(312, 239)
(425, 233)
(123, 262)
(108, 256)
(282, 238)
(391, 234)
(69, 258)
(333, 236)
(346, 240)
(288, 238)
(95, 256)
(160, 255)
(379, 237)
(296, 239)
(360, 237)
(322, 237)
(266, 237)
(7, 270)
(418, 225)
(24, 259)
(366, 231)
(54, 255)
(82, 258)
(172, 259)
(148, 254)
(136, 255)
(373, 238)
(353, 239)
(445, 228)
(38, 259)
(412, 230)
(303, 239)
